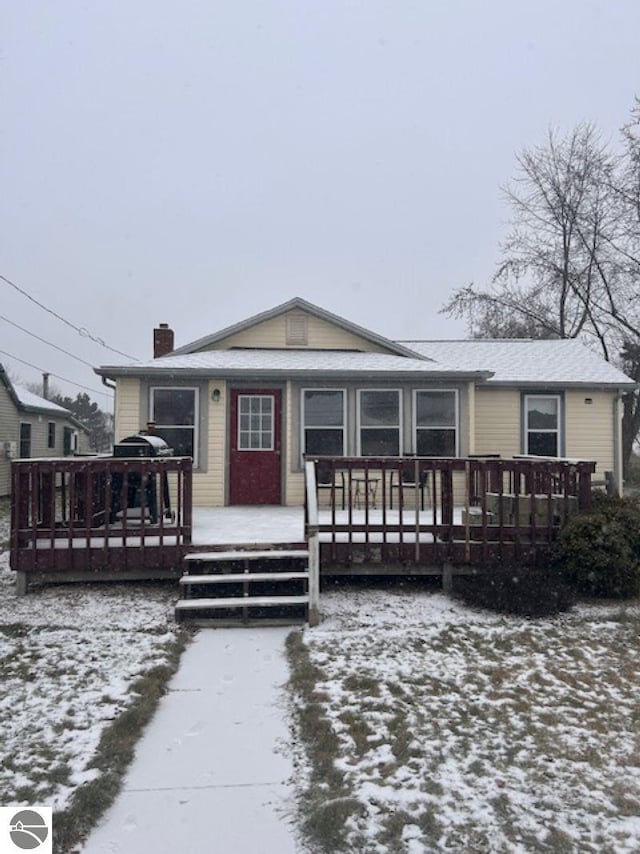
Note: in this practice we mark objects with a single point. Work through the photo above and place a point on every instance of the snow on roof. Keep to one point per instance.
(29, 399)
(542, 362)
(287, 362)
(562, 362)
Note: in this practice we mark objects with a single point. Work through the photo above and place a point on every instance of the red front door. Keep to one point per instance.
(254, 458)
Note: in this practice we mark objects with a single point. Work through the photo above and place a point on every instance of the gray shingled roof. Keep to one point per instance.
(523, 361)
(289, 363)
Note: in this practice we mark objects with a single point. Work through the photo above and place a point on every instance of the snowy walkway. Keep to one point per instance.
(211, 772)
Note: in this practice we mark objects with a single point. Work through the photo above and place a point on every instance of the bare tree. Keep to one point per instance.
(570, 264)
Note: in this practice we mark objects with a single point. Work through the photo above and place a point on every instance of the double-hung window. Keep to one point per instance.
(175, 413)
(379, 422)
(436, 422)
(323, 422)
(542, 424)
(51, 434)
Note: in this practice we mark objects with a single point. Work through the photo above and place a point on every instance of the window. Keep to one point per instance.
(379, 422)
(255, 422)
(436, 420)
(69, 441)
(542, 425)
(51, 435)
(25, 440)
(323, 422)
(175, 412)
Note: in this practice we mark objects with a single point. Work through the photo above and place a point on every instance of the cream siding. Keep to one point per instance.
(321, 335)
(209, 486)
(128, 418)
(497, 417)
(589, 428)
(294, 494)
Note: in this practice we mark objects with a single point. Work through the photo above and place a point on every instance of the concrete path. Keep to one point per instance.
(212, 772)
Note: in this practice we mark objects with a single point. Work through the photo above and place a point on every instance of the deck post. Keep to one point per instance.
(314, 577)
(447, 577)
(22, 583)
(313, 542)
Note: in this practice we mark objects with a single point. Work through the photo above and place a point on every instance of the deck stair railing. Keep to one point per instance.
(376, 510)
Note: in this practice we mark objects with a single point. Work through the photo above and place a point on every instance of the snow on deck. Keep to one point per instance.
(247, 525)
(256, 525)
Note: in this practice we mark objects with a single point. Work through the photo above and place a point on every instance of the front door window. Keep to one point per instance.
(255, 422)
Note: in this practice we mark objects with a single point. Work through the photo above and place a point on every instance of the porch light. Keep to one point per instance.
(215, 395)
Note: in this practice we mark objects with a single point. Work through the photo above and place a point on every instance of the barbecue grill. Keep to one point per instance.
(142, 495)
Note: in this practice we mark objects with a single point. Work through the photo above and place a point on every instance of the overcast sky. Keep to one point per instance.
(196, 162)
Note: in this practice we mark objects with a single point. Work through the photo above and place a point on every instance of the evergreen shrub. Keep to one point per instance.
(599, 551)
(525, 590)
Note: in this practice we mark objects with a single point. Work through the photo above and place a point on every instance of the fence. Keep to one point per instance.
(425, 510)
(100, 514)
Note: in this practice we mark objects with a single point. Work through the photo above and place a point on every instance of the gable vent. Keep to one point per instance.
(297, 332)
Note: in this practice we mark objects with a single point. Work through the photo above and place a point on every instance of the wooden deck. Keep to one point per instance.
(100, 517)
(395, 515)
(107, 518)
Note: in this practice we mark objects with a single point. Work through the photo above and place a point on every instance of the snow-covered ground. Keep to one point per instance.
(461, 730)
(68, 658)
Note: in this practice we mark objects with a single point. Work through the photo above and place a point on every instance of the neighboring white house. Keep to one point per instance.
(31, 426)
(248, 402)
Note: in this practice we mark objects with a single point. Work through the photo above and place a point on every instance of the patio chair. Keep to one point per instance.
(406, 479)
(328, 478)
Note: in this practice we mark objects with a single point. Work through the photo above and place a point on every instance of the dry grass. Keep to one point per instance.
(82, 668)
(447, 729)
(115, 753)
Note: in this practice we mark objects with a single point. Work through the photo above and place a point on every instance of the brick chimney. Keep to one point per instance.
(162, 340)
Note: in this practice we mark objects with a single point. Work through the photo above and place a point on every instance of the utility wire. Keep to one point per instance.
(57, 376)
(79, 329)
(44, 341)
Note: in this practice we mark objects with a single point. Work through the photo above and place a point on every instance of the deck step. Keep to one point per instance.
(233, 566)
(243, 576)
(270, 554)
(240, 602)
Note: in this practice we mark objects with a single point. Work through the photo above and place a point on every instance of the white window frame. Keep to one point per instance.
(196, 413)
(304, 426)
(360, 427)
(52, 428)
(559, 428)
(251, 396)
(456, 427)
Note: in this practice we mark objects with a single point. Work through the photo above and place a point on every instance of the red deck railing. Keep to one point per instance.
(97, 514)
(425, 510)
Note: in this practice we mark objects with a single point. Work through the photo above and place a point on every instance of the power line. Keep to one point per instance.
(57, 376)
(84, 333)
(44, 341)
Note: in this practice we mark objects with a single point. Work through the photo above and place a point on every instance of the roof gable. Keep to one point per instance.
(298, 324)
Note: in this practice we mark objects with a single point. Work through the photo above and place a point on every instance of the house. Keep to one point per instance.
(31, 427)
(248, 402)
